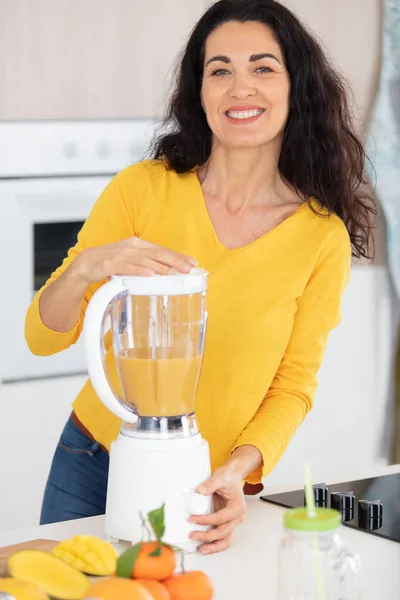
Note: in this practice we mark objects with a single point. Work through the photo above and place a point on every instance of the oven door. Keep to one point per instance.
(39, 220)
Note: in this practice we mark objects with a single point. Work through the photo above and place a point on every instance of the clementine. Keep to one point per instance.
(118, 587)
(192, 585)
(154, 567)
(156, 588)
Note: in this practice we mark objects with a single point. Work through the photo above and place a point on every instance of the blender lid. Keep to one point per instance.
(176, 284)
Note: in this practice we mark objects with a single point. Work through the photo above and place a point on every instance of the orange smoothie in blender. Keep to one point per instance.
(163, 386)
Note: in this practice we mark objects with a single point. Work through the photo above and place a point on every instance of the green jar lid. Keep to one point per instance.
(326, 519)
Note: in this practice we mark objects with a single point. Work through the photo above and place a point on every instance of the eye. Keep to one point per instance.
(264, 70)
(219, 72)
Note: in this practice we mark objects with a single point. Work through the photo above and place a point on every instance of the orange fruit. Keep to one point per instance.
(154, 567)
(118, 587)
(192, 585)
(156, 589)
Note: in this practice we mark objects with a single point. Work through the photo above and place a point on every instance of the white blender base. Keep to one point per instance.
(146, 473)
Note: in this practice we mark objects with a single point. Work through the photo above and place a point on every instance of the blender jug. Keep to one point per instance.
(158, 328)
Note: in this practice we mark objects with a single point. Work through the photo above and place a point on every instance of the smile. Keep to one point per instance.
(244, 116)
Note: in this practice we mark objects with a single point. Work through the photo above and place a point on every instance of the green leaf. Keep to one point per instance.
(157, 551)
(126, 562)
(156, 518)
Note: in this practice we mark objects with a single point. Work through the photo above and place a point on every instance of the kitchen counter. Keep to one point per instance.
(248, 568)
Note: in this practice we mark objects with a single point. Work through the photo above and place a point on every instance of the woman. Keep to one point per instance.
(259, 183)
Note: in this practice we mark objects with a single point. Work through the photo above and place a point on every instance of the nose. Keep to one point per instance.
(241, 88)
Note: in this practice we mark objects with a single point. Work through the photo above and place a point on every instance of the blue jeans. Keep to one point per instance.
(77, 483)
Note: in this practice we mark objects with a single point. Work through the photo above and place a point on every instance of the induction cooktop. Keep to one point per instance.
(369, 505)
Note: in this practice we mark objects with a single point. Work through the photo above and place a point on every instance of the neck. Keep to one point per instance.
(242, 177)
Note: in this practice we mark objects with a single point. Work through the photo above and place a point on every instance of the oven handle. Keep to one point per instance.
(93, 336)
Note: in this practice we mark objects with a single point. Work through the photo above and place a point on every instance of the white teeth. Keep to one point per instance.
(244, 114)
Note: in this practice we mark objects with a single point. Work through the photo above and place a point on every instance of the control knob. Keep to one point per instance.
(320, 494)
(370, 509)
(343, 501)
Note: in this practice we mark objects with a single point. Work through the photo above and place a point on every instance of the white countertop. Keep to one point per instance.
(248, 568)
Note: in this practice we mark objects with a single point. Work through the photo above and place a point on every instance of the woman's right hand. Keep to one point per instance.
(132, 256)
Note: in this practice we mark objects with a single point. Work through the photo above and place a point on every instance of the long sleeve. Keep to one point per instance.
(290, 396)
(109, 221)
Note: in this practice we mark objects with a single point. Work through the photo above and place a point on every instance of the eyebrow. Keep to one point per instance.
(253, 58)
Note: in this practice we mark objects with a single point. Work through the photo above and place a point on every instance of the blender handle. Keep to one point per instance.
(93, 340)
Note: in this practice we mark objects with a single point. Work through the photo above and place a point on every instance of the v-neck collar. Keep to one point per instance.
(203, 210)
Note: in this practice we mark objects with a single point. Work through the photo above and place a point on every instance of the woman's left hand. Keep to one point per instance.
(229, 506)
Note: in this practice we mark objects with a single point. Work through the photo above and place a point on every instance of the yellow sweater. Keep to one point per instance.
(271, 306)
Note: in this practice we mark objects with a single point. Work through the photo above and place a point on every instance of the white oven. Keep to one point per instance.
(51, 173)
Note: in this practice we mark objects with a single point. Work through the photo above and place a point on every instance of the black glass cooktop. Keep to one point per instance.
(370, 505)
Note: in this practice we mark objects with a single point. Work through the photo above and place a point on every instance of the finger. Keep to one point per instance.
(173, 259)
(141, 265)
(221, 480)
(220, 532)
(148, 263)
(169, 255)
(132, 270)
(211, 485)
(121, 266)
(139, 243)
(217, 546)
(230, 512)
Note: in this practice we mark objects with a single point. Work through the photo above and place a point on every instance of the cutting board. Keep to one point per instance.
(7, 551)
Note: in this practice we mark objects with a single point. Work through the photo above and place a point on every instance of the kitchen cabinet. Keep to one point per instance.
(101, 59)
(91, 59)
(32, 415)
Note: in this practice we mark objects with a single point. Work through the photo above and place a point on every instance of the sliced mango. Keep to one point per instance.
(48, 572)
(22, 590)
(89, 554)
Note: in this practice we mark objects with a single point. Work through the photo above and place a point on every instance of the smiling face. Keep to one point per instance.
(246, 86)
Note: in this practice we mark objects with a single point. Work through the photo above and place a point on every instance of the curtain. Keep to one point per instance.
(384, 150)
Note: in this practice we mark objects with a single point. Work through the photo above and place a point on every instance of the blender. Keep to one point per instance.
(158, 328)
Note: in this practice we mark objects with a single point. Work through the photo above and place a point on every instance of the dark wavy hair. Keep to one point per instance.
(321, 155)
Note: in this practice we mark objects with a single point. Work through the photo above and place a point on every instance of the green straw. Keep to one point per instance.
(310, 502)
(312, 513)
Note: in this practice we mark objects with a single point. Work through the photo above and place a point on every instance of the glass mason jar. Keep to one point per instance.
(313, 561)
